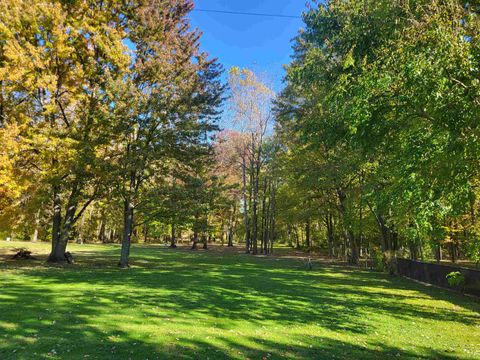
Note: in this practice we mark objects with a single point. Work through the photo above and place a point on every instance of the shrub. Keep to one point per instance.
(378, 261)
(456, 279)
(385, 262)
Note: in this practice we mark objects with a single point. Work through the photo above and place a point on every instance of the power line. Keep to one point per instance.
(248, 13)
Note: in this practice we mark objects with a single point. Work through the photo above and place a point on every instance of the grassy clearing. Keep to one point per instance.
(206, 305)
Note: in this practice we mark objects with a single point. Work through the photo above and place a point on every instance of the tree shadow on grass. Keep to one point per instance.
(229, 284)
(71, 309)
(227, 287)
(66, 332)
(47, 330)
(315, 348)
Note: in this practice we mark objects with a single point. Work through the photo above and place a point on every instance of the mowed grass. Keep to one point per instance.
(180, 304)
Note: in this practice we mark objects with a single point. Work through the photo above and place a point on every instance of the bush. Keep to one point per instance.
(378, 261)
(456, 279)
(385, 262)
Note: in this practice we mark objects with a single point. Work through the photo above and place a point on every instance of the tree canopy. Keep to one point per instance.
(109, 129)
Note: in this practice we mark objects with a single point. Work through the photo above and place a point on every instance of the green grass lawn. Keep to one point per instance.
(209, 305)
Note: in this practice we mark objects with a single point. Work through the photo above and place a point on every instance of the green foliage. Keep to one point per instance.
(93, 121)
(378, 260)
(474, 250)
(456, 279)
(374, 146)
(378, 121)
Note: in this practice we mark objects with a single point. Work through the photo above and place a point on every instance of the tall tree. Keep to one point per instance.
(384, 94)
(251, 101)
(175, 90)
(57, 58)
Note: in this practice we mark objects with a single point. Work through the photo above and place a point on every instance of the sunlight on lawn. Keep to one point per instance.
(203, 305)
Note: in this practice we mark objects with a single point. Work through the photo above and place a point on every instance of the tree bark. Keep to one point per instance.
(330, 235)
(273, 220)
(267, 229)
(263, 228)
(230, 227)
(65, 227)
(413, 251)
(127, 233)
(297, 238)
(256, 176)
(245, 205)
(289, 235)
(57, 221)
(35, 234)
(195, 241)
(37, 225)
(353, 258)
(384, 234)
(102, 230)
(438, 253)
(307, 234)
(452, 252)
(145, 233)
(173, 240)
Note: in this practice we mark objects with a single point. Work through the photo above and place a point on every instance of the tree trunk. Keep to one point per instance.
(452, 252)
(195, 241)
(57, 221)
(330, 235)
(230, 227)
(223, 233)
(79, 231)
(413, 251)
(145, 233)
(354, 256)
(267, 215)
(263, 228)
(384, 234)
(273, 222)
(35, 234)
(266, 231)
(307, 234)
(250, 196)
(297, 238)
(289, 235)
(58, 252)
(272, 233)
(102, 231)
(350, 239)
(245, 206)
(61, 248)
(36, 226)
(173, 240)
(438, 253)
(127, 233)
(256, 176)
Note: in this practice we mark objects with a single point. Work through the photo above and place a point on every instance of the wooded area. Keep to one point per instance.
(154, 204)
(109, 130)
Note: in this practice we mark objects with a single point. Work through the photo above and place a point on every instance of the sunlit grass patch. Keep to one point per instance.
(196, 305)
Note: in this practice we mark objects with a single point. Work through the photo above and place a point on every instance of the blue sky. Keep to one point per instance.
(261, 43)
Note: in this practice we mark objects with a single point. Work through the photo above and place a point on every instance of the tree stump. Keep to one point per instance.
(23, 254)
(69, 257)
